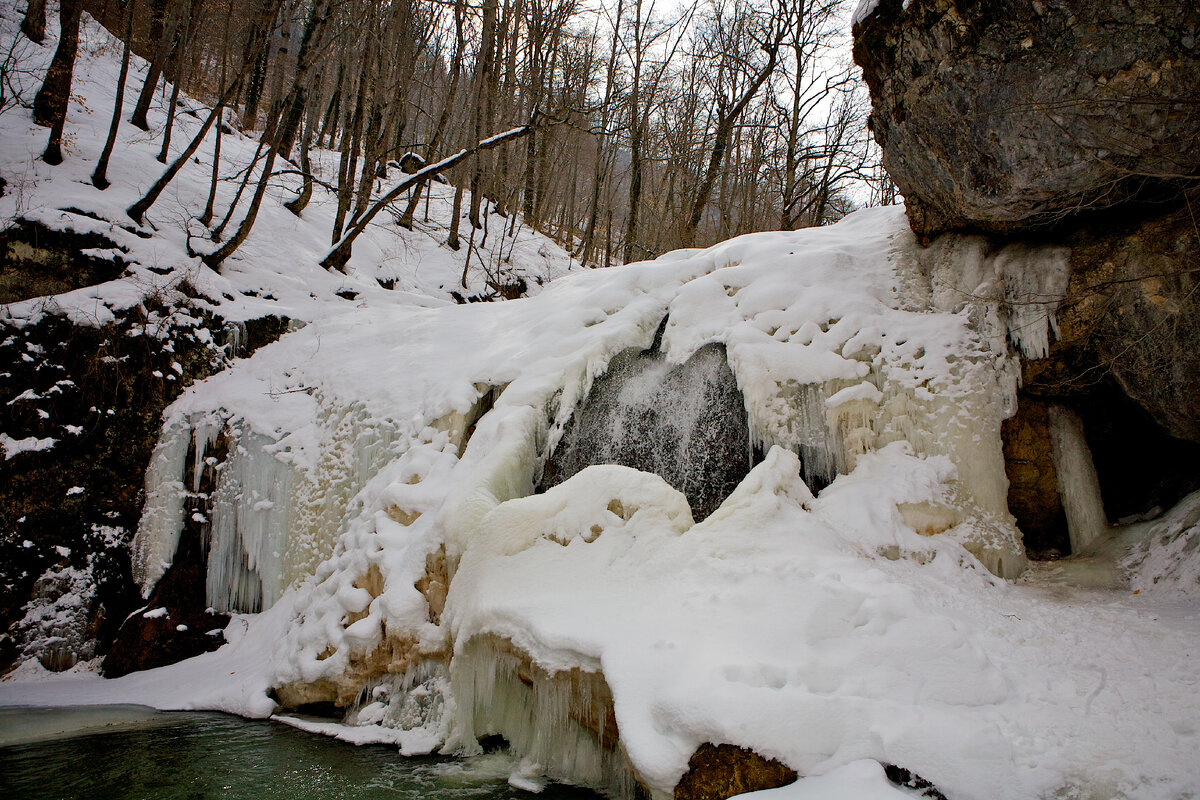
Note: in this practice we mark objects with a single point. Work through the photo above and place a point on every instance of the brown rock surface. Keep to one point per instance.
(717, 771)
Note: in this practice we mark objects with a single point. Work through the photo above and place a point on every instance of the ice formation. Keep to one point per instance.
(684, 422)
(602, 630)
(276, 502)
(1078, 483)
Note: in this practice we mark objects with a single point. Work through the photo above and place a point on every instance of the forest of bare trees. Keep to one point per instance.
(621, 128)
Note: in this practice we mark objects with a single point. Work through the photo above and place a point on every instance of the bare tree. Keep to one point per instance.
(726, 37)
(158, 14)
(257, 27)
(33, 24)
(50, 104)
(100, 175)
(340, 254)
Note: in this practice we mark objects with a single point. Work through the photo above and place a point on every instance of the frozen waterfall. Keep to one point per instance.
(275, 506)
(685, 422)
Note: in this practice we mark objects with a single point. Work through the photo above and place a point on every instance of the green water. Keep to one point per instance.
(138, 754)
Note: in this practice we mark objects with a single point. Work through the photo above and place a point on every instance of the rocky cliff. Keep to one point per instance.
(1070, 123)
(1006, 116)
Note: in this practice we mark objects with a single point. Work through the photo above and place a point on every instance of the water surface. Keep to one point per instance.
(132, 752)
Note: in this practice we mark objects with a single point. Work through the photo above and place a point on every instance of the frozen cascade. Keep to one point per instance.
(249, 521)
(561, 724)
(1013, 293)
(1078, 484)
(276, 507)
(685, 422)
(162, 515)
(417, 702)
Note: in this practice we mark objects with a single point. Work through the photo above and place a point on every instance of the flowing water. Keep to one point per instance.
(132, 752)
(685, 422)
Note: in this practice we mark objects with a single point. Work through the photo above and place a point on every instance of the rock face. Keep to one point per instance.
(82, 411)
(1133, 306)
(1003, 116)
(1074, 124)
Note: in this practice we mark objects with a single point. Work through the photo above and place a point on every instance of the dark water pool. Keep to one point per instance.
(140, 754)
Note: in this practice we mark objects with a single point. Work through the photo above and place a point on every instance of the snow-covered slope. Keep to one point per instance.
(276, 270)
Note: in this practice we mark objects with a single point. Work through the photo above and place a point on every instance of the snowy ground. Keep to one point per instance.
(262, 277)
(833, 633)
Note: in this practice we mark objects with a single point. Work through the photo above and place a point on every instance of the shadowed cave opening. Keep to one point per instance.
(1141, 471)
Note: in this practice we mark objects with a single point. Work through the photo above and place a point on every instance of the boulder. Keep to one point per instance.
(1006, 116)
(716, 772)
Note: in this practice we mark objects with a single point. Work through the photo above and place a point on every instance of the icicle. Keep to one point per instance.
(275, 515)
(558, 722)
(205, 433)
(417, 702)
(1078, 484)
(1035, 281)
(234, 336)
(158, 531)
(249, 519)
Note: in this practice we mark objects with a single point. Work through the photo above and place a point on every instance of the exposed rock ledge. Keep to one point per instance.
(1002, 116)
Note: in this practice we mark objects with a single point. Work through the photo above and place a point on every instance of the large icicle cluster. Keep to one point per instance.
(277, 502)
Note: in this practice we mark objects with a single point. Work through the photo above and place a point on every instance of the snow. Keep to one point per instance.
(30, 444)
(865, 9)
(394, 441)
(820, 630)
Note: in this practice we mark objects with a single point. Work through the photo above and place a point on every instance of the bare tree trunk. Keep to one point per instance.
(50, 104)
(346, 167)
(447, 107)
(329, 124)
(223, 252)
(206, 217)
(370, 139)
(635, 136)
(266, 11)
(178, 62)
(274, 134)
(158, 13)
(254, 89)
(34, 23)
(455, 218)
(598, 172)
(300, 202)
(100, 176)
(483, 104)
(340, 254)
(219, 231)
(139, 209)
(728, 115)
